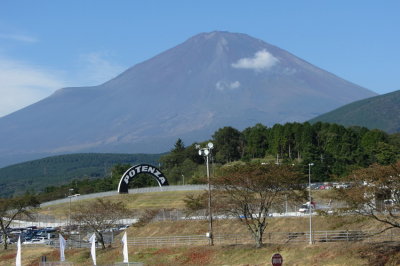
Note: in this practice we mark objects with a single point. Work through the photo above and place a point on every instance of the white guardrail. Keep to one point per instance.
(270, 237)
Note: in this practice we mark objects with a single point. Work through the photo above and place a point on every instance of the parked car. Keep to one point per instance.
(123, 227)
(305, 208)
(40, 240)
(389, 202)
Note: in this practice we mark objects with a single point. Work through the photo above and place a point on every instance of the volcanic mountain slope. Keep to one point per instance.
(211, 80)
(381, 112)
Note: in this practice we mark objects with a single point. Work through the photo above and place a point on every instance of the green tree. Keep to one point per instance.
(192, 153)
(385, 153)
(256, 141)
(297, 133)
(275, 144)
(175, 157)
(371, 138)
(181, 163)
(228, 144)
(394, 140)
(116, 174)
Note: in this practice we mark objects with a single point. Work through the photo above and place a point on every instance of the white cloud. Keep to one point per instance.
(262, 60)
(97, 68)
(22, 84)
(234, 85)
(18, 37)
(223, 85)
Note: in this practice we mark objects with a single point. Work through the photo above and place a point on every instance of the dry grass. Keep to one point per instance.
(344, 253)
(154, 200)
(294, 254)
(234, 226)
(297, 255)
(30, 255)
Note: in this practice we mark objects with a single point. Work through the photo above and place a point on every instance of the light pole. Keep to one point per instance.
(309, 200)
(69, 215)
(206, 152)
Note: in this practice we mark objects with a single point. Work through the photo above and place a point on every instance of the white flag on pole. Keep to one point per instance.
(18, 259)
(63, 244)
(93, 249)
(125, 249)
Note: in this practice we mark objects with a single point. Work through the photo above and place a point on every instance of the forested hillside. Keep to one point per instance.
(334, 149)
(380, 112)
(57, 170)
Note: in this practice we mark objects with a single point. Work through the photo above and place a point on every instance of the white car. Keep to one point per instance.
(305, 208)
(38, 241)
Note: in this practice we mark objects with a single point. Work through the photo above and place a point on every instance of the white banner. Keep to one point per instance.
(125, 249)
(63, 244)
(18, 259)
(93, 249)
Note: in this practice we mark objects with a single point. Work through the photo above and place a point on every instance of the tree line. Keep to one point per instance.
(335, 150)
(273, 164)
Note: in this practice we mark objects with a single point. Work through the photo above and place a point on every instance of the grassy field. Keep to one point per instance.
(343, 253)
(233, 226)
(319, 254)
(154, 200)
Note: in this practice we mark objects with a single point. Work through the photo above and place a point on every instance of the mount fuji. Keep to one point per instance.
(210, 81)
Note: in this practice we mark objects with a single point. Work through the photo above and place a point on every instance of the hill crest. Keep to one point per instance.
(379, 112)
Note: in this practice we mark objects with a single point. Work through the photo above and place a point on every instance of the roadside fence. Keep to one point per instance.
(269, 238)
(240, 239)
(55, 263)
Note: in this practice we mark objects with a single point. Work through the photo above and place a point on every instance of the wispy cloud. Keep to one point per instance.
(18, 37)
(22, 84)
(262, 60)
(97, 68)
(223, 85)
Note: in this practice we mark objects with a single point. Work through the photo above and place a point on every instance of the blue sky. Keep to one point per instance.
(46, 45)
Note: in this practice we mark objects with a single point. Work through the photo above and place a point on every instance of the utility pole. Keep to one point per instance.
(69, 216)
(309, 199)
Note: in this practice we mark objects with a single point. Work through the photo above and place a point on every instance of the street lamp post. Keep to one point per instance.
(309, 200)
(69, 215)
(206, 152)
